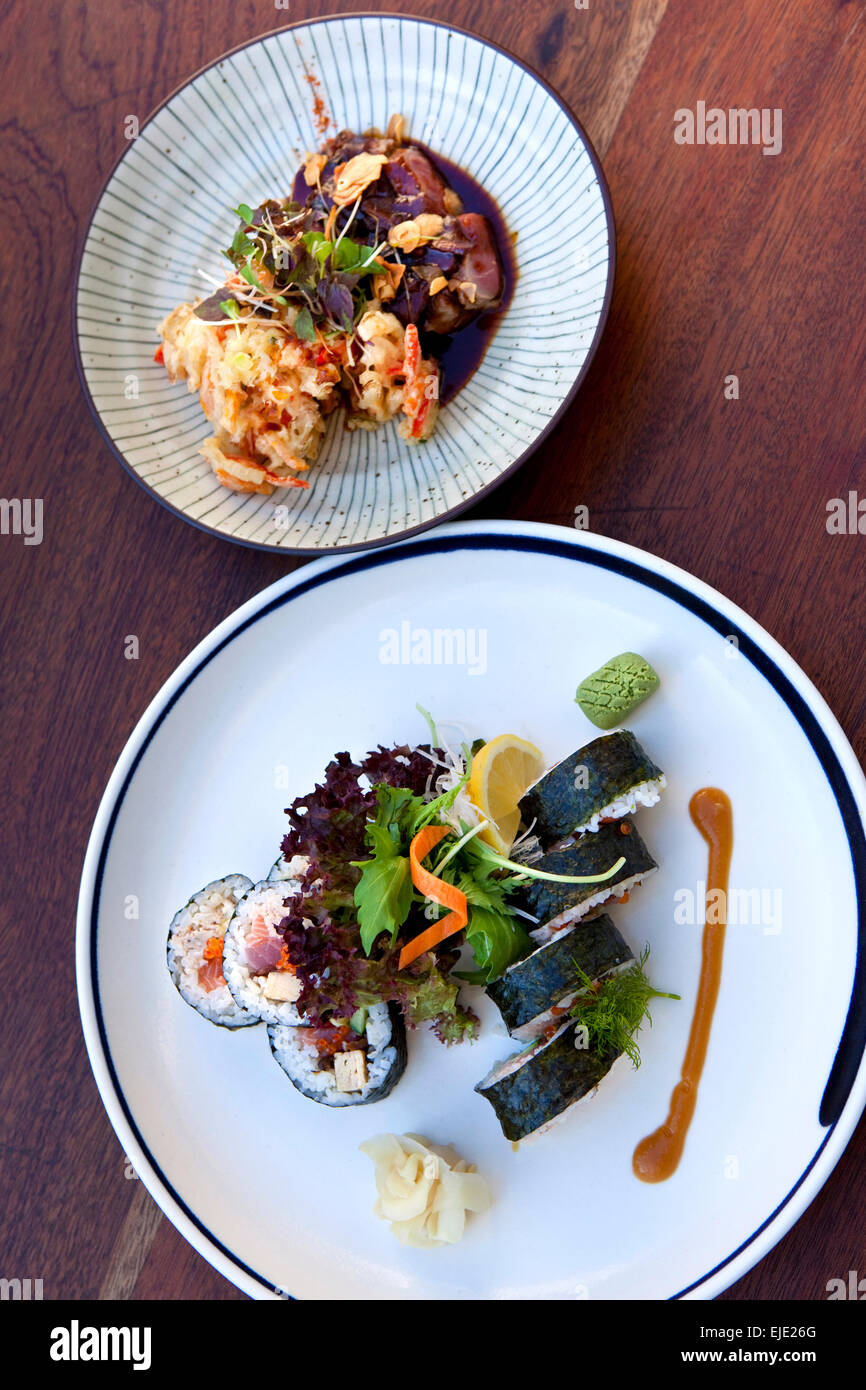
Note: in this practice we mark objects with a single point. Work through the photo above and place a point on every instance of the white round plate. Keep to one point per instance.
(269, 1186)
(237, 132)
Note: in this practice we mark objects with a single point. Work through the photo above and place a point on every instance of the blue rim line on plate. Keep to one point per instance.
(512, 468)
(852, 1043)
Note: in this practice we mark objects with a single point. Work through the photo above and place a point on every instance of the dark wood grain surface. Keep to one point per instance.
(730, 262)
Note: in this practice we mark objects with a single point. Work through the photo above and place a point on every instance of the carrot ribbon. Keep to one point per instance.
(438, 891)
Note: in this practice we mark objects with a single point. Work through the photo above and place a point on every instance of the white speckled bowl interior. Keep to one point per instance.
(236, 132)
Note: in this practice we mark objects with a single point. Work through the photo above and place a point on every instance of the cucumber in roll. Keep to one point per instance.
(535, 991)
(195, 947)
(346, 1062)
(605, 780)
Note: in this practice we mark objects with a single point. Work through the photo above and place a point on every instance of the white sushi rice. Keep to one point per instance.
(265, 900)
(644, 794)
(550, 929)
(500, 1070)
(301, 1060)
(206, 915)
(283, 869)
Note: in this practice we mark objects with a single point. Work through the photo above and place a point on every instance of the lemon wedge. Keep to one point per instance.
(502, 771)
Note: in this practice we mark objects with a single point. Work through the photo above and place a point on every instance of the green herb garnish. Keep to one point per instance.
(303, 326)
(241, 245)
(279, 245)
(431, 725)
(246, 274)
(385, 894)
(612, 1011)
(383, 897)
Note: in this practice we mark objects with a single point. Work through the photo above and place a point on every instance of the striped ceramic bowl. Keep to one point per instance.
(237, 132)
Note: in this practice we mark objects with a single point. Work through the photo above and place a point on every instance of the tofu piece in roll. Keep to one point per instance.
(353, 1062)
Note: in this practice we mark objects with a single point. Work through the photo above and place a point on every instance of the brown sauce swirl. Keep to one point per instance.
(657, 1156)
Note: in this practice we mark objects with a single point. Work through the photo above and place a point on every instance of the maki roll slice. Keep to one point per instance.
(347, 1062)
(535, 992)
(255, 963)
(195, 947)
(283, 870)
(605, 780)
(558, 905)
(531, 1089)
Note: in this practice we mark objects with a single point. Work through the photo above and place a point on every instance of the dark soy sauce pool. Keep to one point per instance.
(460, 353)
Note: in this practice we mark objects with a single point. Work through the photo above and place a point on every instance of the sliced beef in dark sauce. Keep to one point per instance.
(479, 280)
(412, 176)
(465, 253)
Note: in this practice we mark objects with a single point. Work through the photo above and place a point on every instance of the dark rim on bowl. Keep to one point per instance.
(512, 468)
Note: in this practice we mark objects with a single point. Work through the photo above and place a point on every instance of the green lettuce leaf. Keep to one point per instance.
(497, 940)
(383, 895)
(431, 997)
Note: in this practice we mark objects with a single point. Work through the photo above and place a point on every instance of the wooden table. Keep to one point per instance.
(731, 263)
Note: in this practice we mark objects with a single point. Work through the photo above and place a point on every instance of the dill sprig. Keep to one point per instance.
(613, 1010)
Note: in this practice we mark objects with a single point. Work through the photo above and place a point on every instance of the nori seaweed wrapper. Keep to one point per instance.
(548, 1082)
(614, 764)
(539, 981)
(591, 854)
(342, 1099)
(235, 1017)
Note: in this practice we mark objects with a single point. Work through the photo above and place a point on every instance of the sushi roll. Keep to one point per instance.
(352, 1063)
(535, 991)
(284, 869)
(254, 961)
(605, 780)
(558, 905)
(529, 1090)
(194, 951)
